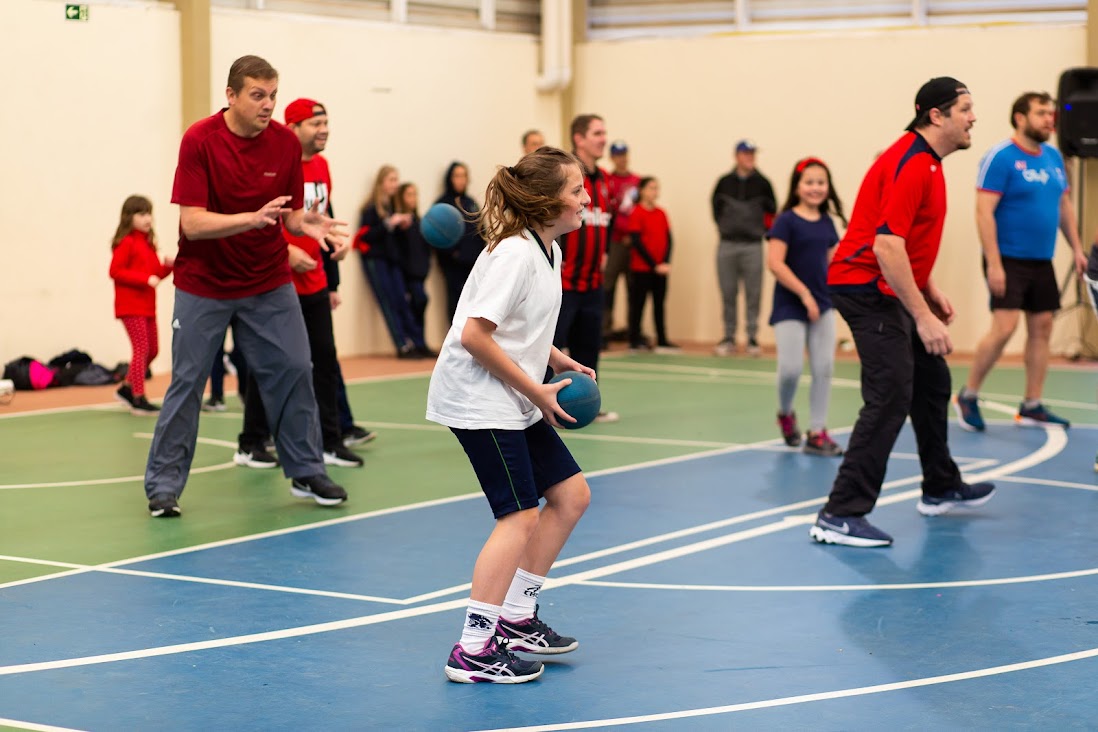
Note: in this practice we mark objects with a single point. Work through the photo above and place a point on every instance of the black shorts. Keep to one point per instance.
(1030, 286)
(516, 467)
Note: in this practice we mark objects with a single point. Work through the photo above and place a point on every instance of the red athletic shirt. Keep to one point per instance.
(655, 237)
(318, 186)
(224, 173)
(903, 194)
(582, 250)
(132, 263)
(622, 187)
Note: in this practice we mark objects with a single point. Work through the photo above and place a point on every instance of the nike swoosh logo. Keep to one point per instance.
(844, 529)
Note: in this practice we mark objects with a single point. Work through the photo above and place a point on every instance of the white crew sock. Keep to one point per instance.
(522, 597)
(480, 626)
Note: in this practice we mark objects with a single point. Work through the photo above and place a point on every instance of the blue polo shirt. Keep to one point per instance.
(1030, 185)
(807, 244)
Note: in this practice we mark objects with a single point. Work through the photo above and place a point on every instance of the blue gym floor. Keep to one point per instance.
(699, 601)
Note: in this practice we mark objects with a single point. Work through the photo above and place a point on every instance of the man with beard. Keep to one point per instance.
(1022, 197)
(880, 283)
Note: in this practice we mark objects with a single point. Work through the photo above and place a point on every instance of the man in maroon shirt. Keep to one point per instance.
(880, 283)
(239, 177)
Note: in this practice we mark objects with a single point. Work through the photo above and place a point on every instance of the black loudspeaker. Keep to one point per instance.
(1077, 119)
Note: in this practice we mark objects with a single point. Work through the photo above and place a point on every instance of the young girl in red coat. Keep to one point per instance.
(137, 269)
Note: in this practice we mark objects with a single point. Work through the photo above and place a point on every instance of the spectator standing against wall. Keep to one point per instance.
(743, 207)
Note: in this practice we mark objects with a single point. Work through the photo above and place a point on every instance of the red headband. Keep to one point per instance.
(810, 161)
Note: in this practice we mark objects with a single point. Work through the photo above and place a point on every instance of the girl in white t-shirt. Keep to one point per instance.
(487, 387)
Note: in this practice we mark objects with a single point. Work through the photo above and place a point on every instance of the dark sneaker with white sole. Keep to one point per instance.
(357, 436)
(967, 496)
(259, 458)
(494, 665)
(534, 636)
(1038, 417)
(968, 413)
(343, 457)
(848, 531)
(164, 505)
(320, 488)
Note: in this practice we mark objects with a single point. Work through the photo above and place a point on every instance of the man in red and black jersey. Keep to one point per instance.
(579, 327)
(880, 283)
(239, 178)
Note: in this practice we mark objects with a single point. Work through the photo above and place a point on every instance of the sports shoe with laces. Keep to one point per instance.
(1038, 417)
(320, 488)
(495, 665)
(259, 458)
(753, 349)
(820, 443)
(726, 347)
(141, 405)
(967, 496)
(787, 423)
(124, 394)
(848, 531)
(164, 505)
(968, 413)
(357, 436)
(342, 457)
(534, 636)
(606, 417)
(213, 404)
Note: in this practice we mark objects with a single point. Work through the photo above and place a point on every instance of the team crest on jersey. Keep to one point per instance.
(1019, 164)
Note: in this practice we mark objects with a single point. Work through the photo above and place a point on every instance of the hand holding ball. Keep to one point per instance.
(442, 226)
(580, 399)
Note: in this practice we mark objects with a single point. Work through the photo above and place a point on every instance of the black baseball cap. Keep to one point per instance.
(937, 92)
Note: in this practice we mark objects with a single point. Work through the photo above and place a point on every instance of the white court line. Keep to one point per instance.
(34, 726)
(129, 478)
(1054, 483)
(822, 696)
(847, 588)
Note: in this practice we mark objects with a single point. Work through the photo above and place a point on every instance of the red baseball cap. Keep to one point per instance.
(302, 109)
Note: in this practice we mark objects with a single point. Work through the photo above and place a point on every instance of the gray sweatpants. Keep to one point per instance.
(738, 260)
(270, 332)
(792, 336)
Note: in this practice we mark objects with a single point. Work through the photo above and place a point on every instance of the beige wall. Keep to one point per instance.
(682, 104)
(97, 119)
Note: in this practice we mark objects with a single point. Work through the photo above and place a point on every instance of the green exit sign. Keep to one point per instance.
(76, 12)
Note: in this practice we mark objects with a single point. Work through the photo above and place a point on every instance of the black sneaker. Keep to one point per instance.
(214, 404)
(342, 456)
(259, 458)
(357, 436)
(494, 665)
(535, 636)
(164, 505)
(848, 531)
(141, 405)
(967, 496)
(125, 395)
(320, 488)
(426, 352)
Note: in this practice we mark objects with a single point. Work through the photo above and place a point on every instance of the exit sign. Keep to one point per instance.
(76, 12)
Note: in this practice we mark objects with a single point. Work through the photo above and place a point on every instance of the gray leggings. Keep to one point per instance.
(792, 336)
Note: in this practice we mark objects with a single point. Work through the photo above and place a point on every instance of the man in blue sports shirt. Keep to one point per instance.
(1022, 198)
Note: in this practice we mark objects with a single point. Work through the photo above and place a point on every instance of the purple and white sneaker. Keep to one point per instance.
(535, 636)
(494, 665)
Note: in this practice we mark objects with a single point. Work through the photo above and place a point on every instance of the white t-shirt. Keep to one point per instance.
(516, 287)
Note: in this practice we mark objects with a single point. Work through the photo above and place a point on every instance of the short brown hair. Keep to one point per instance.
(251, 67)
(582, 123)
(1024, 103)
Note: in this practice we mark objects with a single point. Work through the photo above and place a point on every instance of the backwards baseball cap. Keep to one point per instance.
(746, 146)
(300, 110)
(936, 93)
(618, 147)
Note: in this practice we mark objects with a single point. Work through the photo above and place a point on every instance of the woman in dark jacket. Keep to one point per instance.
(457, 263)
(415, 253)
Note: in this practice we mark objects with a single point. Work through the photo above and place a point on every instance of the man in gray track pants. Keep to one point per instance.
(239, 175)
(743, 204)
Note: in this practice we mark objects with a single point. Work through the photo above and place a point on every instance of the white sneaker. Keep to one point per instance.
(725, 348)
(607, 417)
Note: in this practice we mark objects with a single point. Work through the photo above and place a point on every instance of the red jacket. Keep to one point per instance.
(134, 261)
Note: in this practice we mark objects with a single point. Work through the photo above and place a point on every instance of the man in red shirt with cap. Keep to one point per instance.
(880, 283)
(238, 179)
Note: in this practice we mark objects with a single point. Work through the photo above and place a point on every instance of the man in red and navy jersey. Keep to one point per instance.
(880, 281)
(583, 254)
(238, 179)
